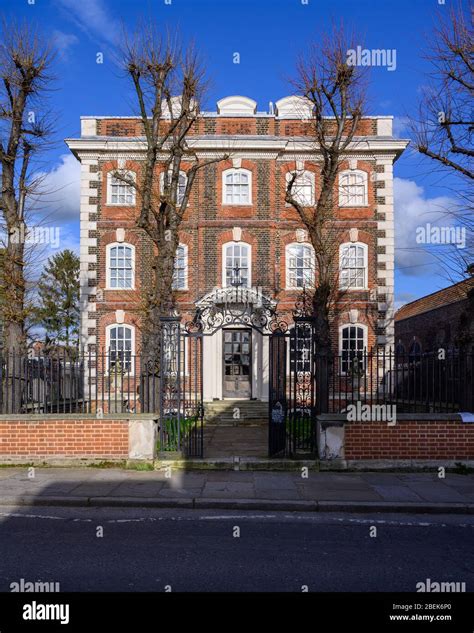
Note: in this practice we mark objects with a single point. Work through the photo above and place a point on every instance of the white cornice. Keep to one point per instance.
(370, 145)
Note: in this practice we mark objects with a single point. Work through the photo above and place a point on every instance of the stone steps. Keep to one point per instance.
(236, 412)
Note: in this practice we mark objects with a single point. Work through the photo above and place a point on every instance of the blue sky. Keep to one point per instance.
(268, 35)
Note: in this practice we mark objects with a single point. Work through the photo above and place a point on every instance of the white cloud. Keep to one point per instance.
(413, 209)
(63, 42)
(60, 192)
(92, 17)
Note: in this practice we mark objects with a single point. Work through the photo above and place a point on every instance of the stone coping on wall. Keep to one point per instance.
(75, 417)
(331, 418)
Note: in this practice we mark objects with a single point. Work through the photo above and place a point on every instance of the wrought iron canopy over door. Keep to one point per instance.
(237, 364)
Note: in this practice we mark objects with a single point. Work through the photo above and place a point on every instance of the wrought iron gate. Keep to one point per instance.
(292, 392)
(278, 396)
(173, 388)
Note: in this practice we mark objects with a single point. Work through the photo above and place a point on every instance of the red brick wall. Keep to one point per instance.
(409, 439)
(64, 438)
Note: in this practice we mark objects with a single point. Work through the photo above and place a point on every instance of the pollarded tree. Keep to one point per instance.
(24, 77)
(25, 63)
(168, 82)
(334, 90)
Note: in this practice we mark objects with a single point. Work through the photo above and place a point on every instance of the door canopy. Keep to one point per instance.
(223, 307)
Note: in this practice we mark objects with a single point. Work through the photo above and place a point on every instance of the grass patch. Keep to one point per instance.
(140, 466)
(172, 430)
(105, 464)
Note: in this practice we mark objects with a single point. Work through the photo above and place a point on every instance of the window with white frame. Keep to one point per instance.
(352, 347)
(353, 265)
(303, 187)
(119, 192)
(120, 266)
(353, 188)
(180, 274)
(120, 344)
(236, 186)
(182, 183)
(300, 265)
(236, 260)
(300, 348)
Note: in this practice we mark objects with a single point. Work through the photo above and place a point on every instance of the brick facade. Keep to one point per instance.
(268, 147)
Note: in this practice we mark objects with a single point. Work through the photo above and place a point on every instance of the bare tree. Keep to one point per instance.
(25, 61)
(443, 129)
(168, 83)
(335, 92)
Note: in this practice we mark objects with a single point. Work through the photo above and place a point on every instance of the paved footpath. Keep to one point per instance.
(328, 492)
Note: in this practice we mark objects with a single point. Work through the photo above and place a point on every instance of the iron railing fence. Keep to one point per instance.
(433, 382)
(111, 382)
(97, 383)
(304, 383)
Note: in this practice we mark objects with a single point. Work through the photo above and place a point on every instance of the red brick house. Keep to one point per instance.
(238, 234)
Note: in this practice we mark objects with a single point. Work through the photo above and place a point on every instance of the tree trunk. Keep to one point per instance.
(14, 334)
(322, 346)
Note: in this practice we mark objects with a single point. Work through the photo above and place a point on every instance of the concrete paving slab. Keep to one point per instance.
(437, 492)
(396, 493)
(140, 489)
(97, 489)
(343, 495)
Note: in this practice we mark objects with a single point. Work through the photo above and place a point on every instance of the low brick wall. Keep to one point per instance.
(70, 437)
(424, 437)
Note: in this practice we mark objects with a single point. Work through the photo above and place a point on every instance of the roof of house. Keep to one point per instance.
(451, 294)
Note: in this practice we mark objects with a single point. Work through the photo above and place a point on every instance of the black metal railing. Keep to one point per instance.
(304, 383)
(434, 382)
(115, 382)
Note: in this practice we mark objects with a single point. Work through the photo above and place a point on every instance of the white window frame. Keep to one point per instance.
(186, 268)
(110, 178)
(109, 247)
(343, 194)
(366, 266)
(307, 175)
(224, 267)
(365, 339)
(181, 173)
(289, 286)
(108, 330)
(233, 171)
